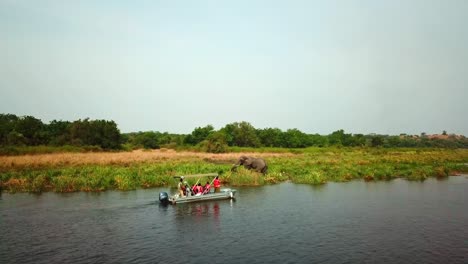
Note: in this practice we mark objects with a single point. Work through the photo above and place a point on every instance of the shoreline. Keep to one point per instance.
(235, 186)
(96, 172)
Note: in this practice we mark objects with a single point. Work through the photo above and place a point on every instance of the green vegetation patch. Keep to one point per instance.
(312, 166)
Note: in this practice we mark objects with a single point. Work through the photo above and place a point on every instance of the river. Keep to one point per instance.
(355, 222)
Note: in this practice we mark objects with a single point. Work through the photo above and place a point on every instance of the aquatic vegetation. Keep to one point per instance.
(313, 177)
(68, 172)
(243, 177)
(67, 183)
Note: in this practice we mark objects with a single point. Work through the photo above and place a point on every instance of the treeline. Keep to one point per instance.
(103, 134)
(30, 131)
(244, 134)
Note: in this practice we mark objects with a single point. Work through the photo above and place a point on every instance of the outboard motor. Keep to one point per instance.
(163, 197)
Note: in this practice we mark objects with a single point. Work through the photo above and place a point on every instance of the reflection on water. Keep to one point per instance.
(203, 216)
(201, 209)
(374, 222)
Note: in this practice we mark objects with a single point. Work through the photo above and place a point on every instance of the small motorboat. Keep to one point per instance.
(209, 195)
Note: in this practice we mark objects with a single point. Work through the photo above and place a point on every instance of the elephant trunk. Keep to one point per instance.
(237, 164)
(234, 168)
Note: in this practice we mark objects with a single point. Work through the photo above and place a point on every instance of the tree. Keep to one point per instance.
(58, 132)
(229, 132)
(377, 141)
(241, 134)
(147, 140)
(109, 134)
(96, 133)
(171, 139)
(15, 139)
(7, 125)
(80, 132)
(294, 138)
(198, 135)
(270, 137)
(216, 143)
(356, 140)
(318, 140)
(337, 138)
(393, 141)
(32, 130)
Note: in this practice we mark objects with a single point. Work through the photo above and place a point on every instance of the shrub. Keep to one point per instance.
(313, 177)
(66, 184)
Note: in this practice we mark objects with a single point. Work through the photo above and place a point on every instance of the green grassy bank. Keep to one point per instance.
(308, 166)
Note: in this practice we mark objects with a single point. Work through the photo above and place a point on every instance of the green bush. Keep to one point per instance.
(38, 184)
(312, 177)
(243, 177)
(67, 184)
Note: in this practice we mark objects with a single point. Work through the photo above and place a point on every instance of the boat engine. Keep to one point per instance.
(163, 197)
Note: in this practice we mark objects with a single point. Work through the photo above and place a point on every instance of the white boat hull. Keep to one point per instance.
(222, 195)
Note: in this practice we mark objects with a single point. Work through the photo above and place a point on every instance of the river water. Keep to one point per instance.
(355, 222)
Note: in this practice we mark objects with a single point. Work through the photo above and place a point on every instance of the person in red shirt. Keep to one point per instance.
(207, 188)
(194, 189)
(199, 189)
(216, 184)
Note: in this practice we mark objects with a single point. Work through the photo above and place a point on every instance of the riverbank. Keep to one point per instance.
(69, 172)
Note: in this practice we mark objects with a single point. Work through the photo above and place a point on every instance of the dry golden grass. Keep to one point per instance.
(119, 158)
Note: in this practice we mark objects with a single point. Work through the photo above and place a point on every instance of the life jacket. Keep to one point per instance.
(216, 183)
(199, 189)
(207, 188)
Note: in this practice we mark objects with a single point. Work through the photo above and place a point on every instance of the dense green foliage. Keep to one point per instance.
(244, 134)
(151, 140)
(30, 131)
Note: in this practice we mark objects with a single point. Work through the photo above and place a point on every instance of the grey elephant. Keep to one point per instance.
(251, 163)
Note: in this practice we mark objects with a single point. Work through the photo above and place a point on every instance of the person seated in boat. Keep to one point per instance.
(194, 189)
(217, 185)
(187, 190)
(199, 189)
(207, 188)
(181, 187)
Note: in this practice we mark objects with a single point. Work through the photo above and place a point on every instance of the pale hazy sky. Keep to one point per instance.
(363, 66)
